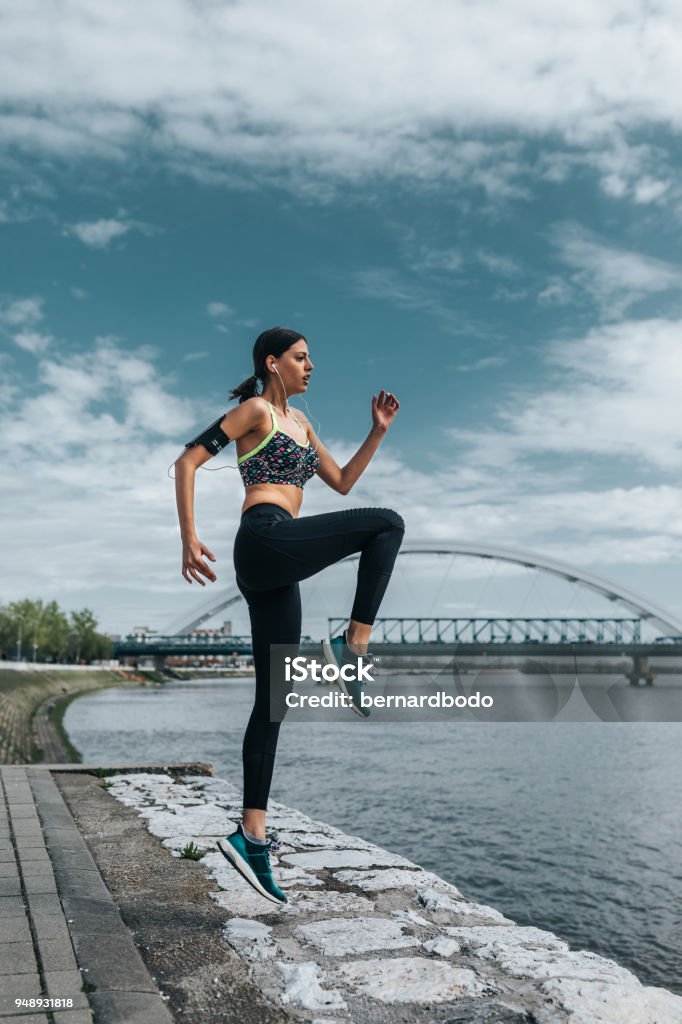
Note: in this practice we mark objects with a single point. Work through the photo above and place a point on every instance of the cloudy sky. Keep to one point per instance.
(476, 206)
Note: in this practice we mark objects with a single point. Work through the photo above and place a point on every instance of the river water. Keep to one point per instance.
(571, 826)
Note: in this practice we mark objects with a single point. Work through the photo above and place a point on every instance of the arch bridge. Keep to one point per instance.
(661, 619)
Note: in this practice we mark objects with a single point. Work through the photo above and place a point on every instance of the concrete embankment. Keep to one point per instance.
(367, 935)
(32, 703)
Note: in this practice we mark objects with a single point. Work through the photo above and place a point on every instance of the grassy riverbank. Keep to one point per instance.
(22, 693)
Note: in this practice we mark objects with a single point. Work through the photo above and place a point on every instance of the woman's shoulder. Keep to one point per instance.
(256, 406)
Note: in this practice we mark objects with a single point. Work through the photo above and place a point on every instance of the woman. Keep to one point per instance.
(278, 451)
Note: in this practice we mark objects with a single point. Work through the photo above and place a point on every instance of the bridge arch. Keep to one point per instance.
(645, 609)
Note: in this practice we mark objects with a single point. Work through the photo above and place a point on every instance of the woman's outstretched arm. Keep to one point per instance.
(384, 408)
(193, 551)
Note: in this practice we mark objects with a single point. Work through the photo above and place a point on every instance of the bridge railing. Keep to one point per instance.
(501, 630)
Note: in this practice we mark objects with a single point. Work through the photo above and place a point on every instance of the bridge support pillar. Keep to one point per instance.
(640, 670)
(159, 662)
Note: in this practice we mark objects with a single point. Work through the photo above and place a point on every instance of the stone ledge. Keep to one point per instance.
(367, 933)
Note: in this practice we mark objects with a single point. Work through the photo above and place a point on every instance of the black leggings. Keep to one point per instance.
(272, 553)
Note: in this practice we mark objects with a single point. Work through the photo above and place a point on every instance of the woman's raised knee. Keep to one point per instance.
(394, 518)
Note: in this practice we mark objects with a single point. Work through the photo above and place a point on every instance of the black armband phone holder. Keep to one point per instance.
(213, 438)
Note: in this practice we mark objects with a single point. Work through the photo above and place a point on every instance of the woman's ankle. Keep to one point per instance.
(254, 824)
(357, 636)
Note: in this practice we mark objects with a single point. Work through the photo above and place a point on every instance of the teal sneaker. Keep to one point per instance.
(252, 861)
(337, 652)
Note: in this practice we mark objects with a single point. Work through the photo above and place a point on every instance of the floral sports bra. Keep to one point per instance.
(279, 459)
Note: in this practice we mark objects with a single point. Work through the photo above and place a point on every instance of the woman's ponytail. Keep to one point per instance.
(247, 389)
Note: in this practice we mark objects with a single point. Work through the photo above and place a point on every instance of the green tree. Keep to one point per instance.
(24, 632)
(84, 642)
(55, 634)
(31, 629)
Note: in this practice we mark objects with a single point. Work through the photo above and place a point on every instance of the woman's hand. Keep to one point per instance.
(384, 409)
(193, 563)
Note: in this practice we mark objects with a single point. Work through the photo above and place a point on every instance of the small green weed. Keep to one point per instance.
(191, 852)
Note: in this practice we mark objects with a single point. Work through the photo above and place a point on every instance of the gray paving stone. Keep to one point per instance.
(14, 929)
(50, 926)
(36, 868)
(57, 956)
(25, 986)
(113, 962)
(8, 869)
(22, 812)
(10, 886)
(44, 903)
(20, 796)
(29, 842)
(35, 854)
(29, 1018)
(61, 984)
(72, 1017)
(27, 827)
(17, 958)
(11, 906)
(66, 836)
(7, 855)
(88, 883)
(54, 816)
(40, 884)
(95, 916)
(129, 1007)
(70, 860)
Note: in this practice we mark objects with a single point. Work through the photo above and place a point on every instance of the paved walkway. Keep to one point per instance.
(46, 735)
(64, 949)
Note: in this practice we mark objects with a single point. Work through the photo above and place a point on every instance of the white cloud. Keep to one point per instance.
(99, 233)
(498, 263)
(111, 426)
(615, 393)
(406, 96)
(485, 363)
(19, 312)
(219, 309)
(32, 341)
(614, 277)
(385, 284)
(556, 292)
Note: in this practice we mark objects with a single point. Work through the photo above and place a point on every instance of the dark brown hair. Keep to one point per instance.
(272, 342)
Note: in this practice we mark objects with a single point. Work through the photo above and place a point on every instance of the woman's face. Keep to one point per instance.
(295, 367)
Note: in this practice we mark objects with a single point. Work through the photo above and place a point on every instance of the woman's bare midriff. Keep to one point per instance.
(287, 496)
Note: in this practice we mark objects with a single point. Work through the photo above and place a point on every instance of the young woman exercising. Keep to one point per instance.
(274, 549)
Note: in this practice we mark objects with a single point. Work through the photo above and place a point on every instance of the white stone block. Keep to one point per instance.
(411, 980)
(303, 988)
(603, 1002)
(442, 946)
(251, 939)
(341, 936)
(345, 858)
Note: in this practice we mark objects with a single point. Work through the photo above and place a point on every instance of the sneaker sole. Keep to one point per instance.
(230, 854)
(328, 653)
